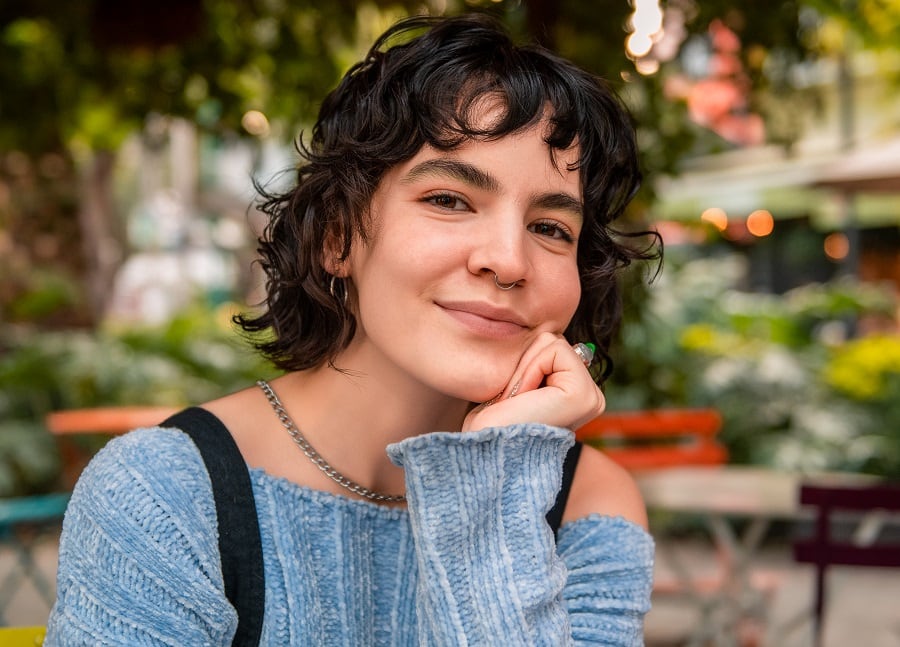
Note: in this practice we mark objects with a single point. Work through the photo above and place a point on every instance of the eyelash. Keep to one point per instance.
(434, 200)
(560, 232)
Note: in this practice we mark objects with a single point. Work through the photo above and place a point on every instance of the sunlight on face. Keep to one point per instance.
(444, 224)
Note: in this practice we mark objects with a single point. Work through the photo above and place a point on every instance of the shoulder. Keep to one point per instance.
(146, 493)
(138, 557)
(144, 451)
(147, 471)
(603, 487)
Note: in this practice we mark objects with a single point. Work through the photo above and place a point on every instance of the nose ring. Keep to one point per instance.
(504, 286)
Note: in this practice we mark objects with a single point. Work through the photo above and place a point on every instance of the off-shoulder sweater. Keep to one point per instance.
(471, 561)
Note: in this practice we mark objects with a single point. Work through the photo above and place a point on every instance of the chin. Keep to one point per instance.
(478, 387)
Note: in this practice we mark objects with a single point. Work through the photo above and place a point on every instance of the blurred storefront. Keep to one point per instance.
(829, 205)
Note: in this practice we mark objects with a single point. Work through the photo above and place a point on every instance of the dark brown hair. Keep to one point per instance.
(423, 91)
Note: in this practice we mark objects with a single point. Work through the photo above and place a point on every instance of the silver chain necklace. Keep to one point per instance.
(316, 458)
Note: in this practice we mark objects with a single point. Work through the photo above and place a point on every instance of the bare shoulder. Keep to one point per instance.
(246, 415)
(601, 486)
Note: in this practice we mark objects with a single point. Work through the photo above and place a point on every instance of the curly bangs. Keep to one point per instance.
(425, 81)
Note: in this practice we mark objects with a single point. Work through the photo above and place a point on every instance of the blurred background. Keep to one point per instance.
(131, 134)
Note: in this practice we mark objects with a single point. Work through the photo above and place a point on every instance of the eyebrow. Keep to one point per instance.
(474, 176)
(456, 169)
(559, 202)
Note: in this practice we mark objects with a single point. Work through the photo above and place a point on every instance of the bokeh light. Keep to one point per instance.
(716, 217)
(760, 223)
(837, 246)
(255, 123)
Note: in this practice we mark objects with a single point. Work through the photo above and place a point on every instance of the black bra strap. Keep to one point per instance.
(554, 517)
(240, 547)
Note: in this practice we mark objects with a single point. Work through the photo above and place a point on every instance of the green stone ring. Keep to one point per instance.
(585, 352)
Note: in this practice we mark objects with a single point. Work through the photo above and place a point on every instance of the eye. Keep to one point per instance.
(551, 229)
(447, 201)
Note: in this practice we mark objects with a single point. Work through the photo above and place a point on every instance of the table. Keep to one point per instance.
(722, 496)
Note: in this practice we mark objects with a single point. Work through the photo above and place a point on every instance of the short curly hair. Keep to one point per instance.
(424, 90)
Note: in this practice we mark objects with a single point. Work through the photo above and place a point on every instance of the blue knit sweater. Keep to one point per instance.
(471, 562)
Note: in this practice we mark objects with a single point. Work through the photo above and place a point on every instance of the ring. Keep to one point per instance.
(585, 352)
(504, 286)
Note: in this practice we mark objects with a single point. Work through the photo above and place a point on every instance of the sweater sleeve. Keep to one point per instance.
(139, 560)
(488, 565)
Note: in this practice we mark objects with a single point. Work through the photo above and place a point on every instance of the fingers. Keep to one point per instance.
(550, 385)
(522, 379)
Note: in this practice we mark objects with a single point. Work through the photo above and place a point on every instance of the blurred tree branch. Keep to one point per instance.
(78, 78)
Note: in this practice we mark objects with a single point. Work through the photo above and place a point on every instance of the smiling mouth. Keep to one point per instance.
(484, 321)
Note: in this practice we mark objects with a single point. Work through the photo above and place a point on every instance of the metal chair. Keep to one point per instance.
(870, 504)
(22, 520)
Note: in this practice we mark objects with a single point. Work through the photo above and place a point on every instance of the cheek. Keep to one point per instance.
(566, 300)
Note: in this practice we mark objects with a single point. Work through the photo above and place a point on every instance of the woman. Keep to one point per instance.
(447, 241)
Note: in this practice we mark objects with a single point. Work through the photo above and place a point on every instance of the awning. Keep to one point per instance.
(873, 169)
(809, 185)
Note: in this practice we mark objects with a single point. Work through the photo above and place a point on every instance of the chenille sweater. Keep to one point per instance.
(471, 561)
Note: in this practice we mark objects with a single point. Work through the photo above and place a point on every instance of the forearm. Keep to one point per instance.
(486, 557)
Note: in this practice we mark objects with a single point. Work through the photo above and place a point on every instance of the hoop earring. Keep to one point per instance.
(343, 296)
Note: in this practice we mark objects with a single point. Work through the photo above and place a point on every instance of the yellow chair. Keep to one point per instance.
(22, 636)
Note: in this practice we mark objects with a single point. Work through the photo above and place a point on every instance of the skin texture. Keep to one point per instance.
(435, 333)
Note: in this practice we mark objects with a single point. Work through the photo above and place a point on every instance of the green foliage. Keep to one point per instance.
(29, 461)
(95, 70)
(793, 392)
(47, 293)
(194, 358)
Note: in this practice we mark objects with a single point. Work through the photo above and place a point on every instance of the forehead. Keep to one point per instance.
(483, 119)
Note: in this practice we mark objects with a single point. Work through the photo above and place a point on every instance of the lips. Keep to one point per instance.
(485, 319)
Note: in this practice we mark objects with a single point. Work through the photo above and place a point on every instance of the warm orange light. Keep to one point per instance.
(255, 123)
(646, 66)
(837, 246)
(716, 217)
(760, 223)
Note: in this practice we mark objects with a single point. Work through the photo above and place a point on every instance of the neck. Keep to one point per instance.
(352, 412)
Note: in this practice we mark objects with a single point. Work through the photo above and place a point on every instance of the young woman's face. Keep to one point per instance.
(442, 225)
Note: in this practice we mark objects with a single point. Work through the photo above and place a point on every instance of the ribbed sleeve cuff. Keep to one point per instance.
(477, 503)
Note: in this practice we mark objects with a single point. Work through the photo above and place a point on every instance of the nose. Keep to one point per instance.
(501, 248)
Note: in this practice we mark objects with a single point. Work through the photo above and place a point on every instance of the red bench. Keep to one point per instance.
(655, 438)
(106, 420)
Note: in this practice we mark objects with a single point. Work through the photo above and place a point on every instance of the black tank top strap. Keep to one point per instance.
(554, 517)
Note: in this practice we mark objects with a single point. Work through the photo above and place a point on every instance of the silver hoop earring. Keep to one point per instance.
(504, 286)
(342, 297)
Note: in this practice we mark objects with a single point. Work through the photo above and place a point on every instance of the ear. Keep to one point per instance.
(332, 251)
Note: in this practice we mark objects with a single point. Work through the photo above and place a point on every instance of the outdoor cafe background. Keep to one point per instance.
(771, 138)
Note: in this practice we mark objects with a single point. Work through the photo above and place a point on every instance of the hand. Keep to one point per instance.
(550, 385)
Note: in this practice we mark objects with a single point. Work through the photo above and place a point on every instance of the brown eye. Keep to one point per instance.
(447, 201)
(550, 230)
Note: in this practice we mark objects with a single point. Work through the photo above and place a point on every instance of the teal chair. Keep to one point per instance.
(21, 521)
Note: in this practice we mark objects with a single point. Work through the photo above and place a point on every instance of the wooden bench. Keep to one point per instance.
(106, 420)
(655, 438)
